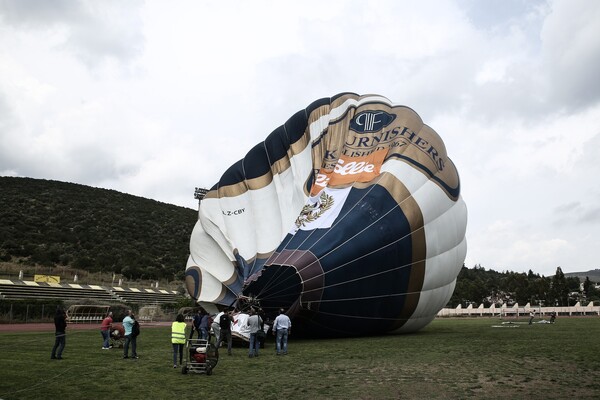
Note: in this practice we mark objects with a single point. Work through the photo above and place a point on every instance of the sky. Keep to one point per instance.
(154, 98)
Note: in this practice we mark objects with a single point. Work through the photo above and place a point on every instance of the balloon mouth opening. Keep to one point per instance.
(279, 286)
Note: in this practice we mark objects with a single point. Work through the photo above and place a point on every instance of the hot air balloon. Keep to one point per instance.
(348, 216)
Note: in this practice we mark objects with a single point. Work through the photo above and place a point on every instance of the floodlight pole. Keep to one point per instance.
(199, 194)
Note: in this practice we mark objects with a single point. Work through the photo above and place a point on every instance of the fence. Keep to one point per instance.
(86, 313)
(19, 312)
(516, 311)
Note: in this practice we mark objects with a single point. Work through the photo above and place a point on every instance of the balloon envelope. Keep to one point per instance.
(349, 216)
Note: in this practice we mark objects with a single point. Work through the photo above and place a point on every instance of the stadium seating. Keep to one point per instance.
(37, 290)
(22, 290)
(144, 296)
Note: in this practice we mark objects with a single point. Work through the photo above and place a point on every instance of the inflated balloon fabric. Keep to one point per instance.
(349, 216)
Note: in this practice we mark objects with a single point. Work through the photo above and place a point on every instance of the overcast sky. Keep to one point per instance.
(155, 98)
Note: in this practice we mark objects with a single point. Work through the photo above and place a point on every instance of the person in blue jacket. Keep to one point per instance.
(130, 338)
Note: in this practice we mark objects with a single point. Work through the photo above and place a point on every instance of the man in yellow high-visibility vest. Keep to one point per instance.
(178, 338)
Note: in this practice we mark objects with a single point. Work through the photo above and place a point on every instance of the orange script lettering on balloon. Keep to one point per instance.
(349, 170)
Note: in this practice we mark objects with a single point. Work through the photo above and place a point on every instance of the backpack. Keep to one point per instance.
(135, 329)
(225, 322)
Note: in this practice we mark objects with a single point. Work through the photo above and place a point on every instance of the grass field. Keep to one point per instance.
(450, 359)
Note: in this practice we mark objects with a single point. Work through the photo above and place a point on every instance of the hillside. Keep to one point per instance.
(593, 274)
(58, 224)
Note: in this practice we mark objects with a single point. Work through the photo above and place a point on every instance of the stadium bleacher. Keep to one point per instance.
(22, 290)
(144, 296)
(41, 290)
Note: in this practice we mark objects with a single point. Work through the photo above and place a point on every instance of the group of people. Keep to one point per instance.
(130, 326)
(222, 328)
(532, 316)
(201, 324)
(130, 333)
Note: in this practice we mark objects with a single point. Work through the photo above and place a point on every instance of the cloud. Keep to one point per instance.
(33, 14)
(540, 59)
(516, 245)
(581, 186)
(576, 213)
(497, 14)
(571, 52)
(95, 33)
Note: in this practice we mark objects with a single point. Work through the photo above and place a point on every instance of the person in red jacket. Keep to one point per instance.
(105, 328)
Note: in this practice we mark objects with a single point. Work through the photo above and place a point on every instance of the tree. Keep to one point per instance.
(590, 291)
(541, 290)
(559, 291)
(586, 286)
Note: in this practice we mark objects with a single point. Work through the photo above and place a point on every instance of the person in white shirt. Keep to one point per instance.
(282, 328)
(255, 324)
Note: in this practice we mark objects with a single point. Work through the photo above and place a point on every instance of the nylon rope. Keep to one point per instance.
(367, 254)
(357, 234)
(268, 285)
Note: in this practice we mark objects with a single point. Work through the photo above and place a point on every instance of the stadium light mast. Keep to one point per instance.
(199, 194)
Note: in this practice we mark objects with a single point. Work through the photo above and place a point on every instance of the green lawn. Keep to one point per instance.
(450, 359)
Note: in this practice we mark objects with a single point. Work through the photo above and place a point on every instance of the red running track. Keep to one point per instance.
(49, 326)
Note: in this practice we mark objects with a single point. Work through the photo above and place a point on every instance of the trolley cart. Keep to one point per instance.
(201, 356)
